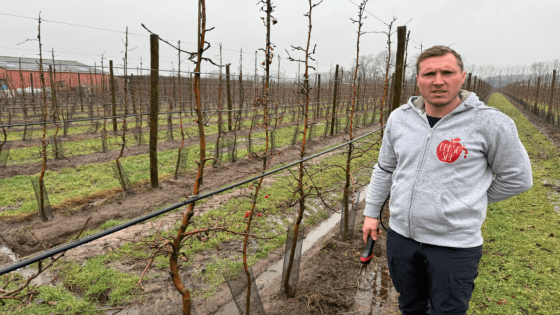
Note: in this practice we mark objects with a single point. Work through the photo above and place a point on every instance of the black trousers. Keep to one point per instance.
(431, 279)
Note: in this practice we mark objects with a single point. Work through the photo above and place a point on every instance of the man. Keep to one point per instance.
(445, 156)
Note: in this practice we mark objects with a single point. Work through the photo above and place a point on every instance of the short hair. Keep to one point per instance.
(437, 51)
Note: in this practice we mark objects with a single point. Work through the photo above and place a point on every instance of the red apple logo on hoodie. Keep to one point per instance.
(449, 152)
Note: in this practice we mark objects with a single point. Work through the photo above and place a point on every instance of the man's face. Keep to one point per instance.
(439, 79)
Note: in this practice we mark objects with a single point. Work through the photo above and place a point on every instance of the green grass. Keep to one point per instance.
(82, 289)
(89, 146)
(66, 303)
(271, 223)
(91, 179)
(516, 265)
(277, 193)
(83, 127)
(96, 282)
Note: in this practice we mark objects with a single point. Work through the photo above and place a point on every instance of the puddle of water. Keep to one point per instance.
(127, 311)
(374, 292)
(6, 251)
(43, 278)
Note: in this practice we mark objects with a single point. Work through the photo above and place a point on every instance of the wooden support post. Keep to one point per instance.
(132, 93)
(358, 93)
(228, 94)
(474, 84)
(549, 114)
(80, 90)
(391, 93)
(528, 93)
(32, 92)
(113, 99)
(469, 82)
(399, 67)
(241, 96)
(53, 94)
(154, 108)
(318, 101)
(333, 119)
(536, 107)
(479, 84)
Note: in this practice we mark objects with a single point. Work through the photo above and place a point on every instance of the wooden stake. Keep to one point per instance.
(549, 114)
(228, 94)
(113, 99)
(333, 119)
(154, 108)
(398, 75)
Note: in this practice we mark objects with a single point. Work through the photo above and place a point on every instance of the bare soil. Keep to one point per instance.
(70, 218)
(329, 281)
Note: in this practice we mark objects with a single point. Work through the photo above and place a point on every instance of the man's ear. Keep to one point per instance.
(464, 75)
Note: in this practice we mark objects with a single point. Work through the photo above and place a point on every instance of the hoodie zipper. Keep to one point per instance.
(418, 171)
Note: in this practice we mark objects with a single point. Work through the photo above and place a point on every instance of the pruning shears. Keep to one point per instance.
(367, 255)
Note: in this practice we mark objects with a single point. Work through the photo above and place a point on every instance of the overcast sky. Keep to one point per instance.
(499, 32)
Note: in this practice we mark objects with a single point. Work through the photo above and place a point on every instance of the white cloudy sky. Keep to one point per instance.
(499, 32)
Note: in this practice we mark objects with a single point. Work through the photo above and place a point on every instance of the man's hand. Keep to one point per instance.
(370, 228)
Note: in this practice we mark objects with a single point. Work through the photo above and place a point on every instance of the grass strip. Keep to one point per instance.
(97, 282)
(69, 185)
(519, 270)
(89, 146)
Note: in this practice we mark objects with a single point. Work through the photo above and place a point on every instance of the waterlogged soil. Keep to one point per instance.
(70, 218)
(329, 281)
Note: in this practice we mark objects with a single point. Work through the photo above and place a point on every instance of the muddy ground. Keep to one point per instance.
(329, 282)
(158, 290)
(70, 218)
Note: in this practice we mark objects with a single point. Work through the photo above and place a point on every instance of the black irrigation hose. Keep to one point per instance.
(381, 213)
(85, 240)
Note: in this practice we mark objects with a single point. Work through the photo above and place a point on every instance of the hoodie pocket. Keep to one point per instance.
(460, 214)
(427, 212)
(400, 203)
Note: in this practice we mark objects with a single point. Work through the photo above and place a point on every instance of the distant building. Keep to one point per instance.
(17, 73)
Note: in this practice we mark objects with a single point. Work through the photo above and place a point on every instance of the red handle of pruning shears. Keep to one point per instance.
(365, 259)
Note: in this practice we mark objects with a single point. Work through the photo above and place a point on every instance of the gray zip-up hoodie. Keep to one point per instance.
(442, 179)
